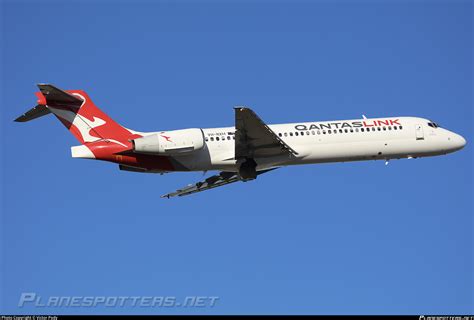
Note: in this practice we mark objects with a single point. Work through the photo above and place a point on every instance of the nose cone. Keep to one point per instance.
(458, 142)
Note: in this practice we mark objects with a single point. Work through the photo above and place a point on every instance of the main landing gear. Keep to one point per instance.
(248, 170)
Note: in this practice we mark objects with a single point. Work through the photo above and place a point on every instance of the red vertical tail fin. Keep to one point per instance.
(79, 114)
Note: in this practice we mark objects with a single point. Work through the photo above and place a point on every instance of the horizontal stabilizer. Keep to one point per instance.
(35, 112)
(58, 97)
(50, 96)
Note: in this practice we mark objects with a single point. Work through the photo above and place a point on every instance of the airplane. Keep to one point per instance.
(242, 152)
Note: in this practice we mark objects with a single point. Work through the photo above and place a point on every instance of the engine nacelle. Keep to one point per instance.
(170, 142)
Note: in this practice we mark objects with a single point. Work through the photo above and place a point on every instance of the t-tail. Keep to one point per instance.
(81, 117)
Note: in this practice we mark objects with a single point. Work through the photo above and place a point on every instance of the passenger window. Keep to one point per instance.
(291, 134)
(394, 128)
(319, 132)
(286, 134)
(340, 130)
(384, 129)
(324, 132)
(373, 129)
(228, 137)
(307, 133)
(329, 131)
(312, 132)
(207, 139)
(378, 129)
(212, 138)
(279, 134)
(400, 127)
(352, 130)
(362, 129)
(345, 130)
(357, 129)
(296, 133)
(217, 138)
(389, 128)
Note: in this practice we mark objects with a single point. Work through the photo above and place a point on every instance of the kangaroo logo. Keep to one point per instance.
(84, 125)
(168, 139)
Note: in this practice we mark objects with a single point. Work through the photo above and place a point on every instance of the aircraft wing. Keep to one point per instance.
(253, 138)
(215, 181)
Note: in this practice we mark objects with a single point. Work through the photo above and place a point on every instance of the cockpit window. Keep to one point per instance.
(433, 124)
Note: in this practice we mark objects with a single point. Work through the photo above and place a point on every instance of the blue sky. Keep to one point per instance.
(334, 238)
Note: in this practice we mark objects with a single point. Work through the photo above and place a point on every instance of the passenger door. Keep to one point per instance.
(419, 132)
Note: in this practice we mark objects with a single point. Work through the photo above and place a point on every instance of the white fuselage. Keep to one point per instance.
(332, 141)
